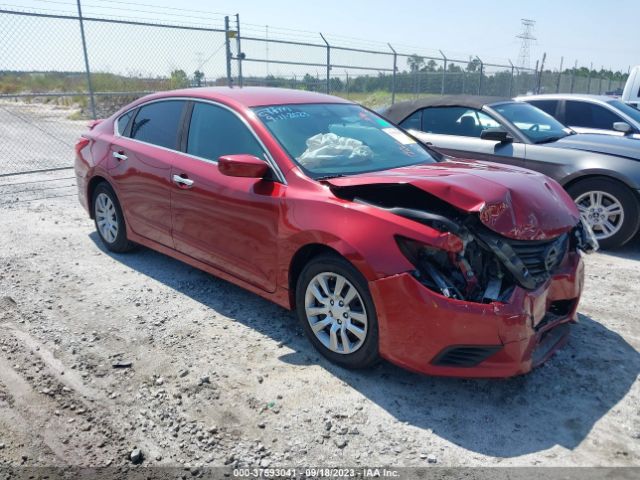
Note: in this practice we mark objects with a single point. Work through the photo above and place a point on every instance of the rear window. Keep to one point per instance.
(158, 123)
(547, 106)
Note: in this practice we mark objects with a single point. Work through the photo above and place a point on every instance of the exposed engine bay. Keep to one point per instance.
(477, 264)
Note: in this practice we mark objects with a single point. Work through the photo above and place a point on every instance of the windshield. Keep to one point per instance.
(627, 109)
(536, 125)
(329, 140)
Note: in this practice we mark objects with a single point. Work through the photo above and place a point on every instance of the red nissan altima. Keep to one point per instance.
(382, 246)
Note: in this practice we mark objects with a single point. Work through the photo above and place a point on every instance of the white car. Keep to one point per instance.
(589, 113)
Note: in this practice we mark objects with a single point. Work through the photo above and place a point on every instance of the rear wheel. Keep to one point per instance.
(609, 207)
(336, 310)
(109, 220)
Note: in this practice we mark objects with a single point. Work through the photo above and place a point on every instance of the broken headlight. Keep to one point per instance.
(471, 274)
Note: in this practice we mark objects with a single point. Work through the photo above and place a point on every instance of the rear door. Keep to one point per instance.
(140, 164)
(456, 131)
(228, 222)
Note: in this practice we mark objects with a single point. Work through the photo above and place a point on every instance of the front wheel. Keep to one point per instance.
(609, 207)
(336, 310)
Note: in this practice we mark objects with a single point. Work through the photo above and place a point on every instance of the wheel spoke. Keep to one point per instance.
(351, 294)
(316, 293)
(333, 337)
(321, 325)
(346, 344)
(613, 209)
(340, 281)
(322, 281)
(315, 311)
(608, 227)
(357, 331)
(360, 317)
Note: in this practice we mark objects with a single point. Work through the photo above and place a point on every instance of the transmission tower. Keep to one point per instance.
(527, 37)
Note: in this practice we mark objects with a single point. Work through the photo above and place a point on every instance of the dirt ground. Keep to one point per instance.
(218, 376)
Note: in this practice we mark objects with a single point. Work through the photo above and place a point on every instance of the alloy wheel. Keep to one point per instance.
(602, 211)
(336, 312)
(106, 218)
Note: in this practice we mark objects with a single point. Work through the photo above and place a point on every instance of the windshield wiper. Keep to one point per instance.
(550, 139)
(329, 177)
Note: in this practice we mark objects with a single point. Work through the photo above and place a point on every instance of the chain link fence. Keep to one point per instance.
(47, 95)
(58, 71)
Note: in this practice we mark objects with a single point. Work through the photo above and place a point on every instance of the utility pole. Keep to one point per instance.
(524, 58)
(239, 54)
(86, 63)
(227, 41)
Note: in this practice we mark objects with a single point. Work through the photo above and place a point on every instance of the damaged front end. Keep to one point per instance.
(473, 263)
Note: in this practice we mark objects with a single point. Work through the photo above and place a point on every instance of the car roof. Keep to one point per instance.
(253, 96)
(399, 111)
(567, 96)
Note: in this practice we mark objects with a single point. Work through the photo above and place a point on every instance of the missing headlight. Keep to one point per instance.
(474, 274)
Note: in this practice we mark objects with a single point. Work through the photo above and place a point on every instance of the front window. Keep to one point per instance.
(536, 125)
(626, 109)
(329, 140)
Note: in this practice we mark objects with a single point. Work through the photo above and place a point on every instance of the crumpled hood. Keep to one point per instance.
(514, 202)
(607, 144)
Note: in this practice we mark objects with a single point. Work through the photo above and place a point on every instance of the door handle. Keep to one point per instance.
(119, 156)
(182, 182)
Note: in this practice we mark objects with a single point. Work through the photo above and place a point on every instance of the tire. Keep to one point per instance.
(106, 207)
(357, 314)
(593, 195)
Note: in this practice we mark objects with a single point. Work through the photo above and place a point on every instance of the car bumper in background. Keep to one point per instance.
(428, 333)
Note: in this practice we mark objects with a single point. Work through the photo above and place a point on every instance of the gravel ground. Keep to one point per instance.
(110, 359)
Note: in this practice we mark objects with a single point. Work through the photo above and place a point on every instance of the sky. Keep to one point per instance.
(585, 31)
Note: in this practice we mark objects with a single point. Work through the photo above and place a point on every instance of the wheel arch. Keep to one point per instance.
(91, 187)
(600, 174)
(306, 253)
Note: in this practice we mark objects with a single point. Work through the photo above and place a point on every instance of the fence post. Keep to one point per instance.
(239, 54)
(328, 63)
(511, 79)
(227, 42)
(573, 76)
(481, 73)
(544, 57)
(92, 100)
(589, 79)
(444, 72)
(347, 82)
(559, 76)
(393, 78)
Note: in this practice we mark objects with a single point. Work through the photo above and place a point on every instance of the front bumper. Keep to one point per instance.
(418, 327)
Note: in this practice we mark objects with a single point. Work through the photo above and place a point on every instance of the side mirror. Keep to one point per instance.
(242, 166)
(496, 135)
(623, 127)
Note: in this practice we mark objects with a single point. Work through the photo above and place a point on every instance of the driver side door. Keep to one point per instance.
(228, 222)
(455, 131)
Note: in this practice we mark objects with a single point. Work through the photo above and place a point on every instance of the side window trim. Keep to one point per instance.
(185, 123)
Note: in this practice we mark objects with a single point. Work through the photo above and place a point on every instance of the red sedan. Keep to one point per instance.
(384, 247)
